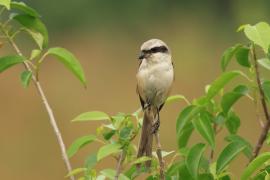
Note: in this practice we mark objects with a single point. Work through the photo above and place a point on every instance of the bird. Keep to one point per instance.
(155, 77)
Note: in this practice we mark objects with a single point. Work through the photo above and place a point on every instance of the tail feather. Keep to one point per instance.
(146, 141)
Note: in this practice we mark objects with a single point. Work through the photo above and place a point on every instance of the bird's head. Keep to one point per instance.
(154, 50)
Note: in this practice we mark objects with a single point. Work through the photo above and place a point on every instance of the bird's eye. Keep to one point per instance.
(154, 50)
(158, 49)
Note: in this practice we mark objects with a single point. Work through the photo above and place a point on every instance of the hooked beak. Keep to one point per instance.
(141, 56)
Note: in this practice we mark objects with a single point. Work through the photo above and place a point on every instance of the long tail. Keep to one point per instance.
(145, 146)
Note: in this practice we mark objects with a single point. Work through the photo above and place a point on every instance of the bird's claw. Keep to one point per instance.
(155, 126)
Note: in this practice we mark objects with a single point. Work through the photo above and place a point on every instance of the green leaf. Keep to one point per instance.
(228, 154)
(184, 135)
(79, 143)
(109, 134)
(259, 34)
(201, 101)
(183, 151)
(141, 160)
(235, 138)
(267, 177)
(24, 8)
(204, 164)
(241, 28)
(184, 117)
(76, 171)
(35, 27)
(26, 78)
(204, 127)
(107, 150)
(131, 172)
(232, 122)
(125, 132)
(9, 61)
(110, 174)
(193, 159)
(264, 62)
(220, 82)
(228, 55)
(91, 161)
(109, 126)
(184, 172)
(174, 98)
(220, 119)
(38, 38)
(230, 98)
(70, 61)
(255, 164)
(35, 53)
(101, 177)
(206, 176)
(5, 3)
(163, 154)
(212, 169)
(224, 176)
(92, 116)
(266, 89)
(268, 138)
(184, 130)
(268, 53)
(173, 169)
(242, 56)
(263, 173)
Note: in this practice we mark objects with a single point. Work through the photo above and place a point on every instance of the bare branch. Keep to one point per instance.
(160, 158)
(46, 105)
(257, 107)
(266, 126)
(119, 164)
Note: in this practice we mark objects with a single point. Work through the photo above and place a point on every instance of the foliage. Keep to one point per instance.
(17, 18)
(206, 115)
(30, 22)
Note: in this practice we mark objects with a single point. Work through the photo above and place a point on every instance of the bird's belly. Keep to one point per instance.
(155, 84)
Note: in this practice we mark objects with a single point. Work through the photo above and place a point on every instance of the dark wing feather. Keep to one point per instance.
(141, 100)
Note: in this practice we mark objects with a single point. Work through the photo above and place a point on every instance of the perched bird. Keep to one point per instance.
(154, 81)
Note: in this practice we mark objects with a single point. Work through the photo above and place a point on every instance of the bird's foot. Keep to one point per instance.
(155, 126)
(146, 106)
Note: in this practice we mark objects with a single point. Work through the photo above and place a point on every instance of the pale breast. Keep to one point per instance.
(155, 82)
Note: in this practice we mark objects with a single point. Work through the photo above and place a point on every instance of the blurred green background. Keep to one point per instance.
(106, 35)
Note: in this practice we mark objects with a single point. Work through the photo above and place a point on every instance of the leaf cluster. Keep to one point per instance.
(206, 115)
(17, 18)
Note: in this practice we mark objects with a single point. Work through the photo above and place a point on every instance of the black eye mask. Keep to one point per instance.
(156, 50)
(153, 50)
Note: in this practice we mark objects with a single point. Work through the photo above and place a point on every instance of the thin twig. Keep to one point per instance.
(119, 164)
(31, 64)
(257, 108)
(16, 32)
(46, 104)
(160, 158)
(266, 127)
(39, 64)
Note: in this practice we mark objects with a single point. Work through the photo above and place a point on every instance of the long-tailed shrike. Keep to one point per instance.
(154, 81)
